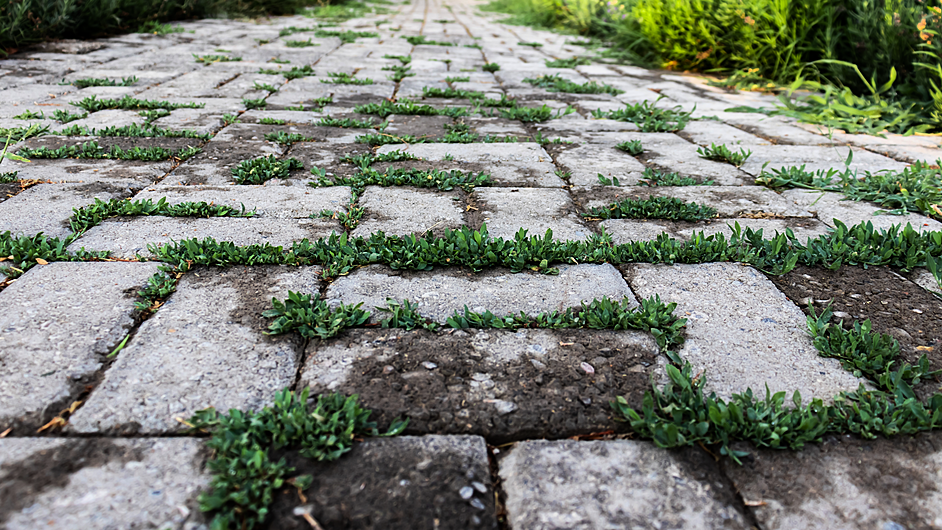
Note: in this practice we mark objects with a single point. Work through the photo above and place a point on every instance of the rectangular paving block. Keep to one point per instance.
(682, 157)
(399, 483)
(569, 484)
(205, 347)
(511, 164)
(586, 162)
(442, 292)
(816, 158)
(130, 237)
(47, 208)
(277, 199)
(778, 129)
(404, 211)
(831, 205)
(116, 172)
(625, 231)
(742, 332)
(58, 323)
(101, 483)
(707, 133)
(506, 210)
(504, 385)
(844, 483)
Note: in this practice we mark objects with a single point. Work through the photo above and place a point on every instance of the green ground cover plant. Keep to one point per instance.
(93, 150)
(567, 63)
(556, 83)
(264, 86)
(346, 37)
(296, 72)
(64, 116)
(434, 92)
(259, 170)
(133, 130)
(349, 123)
(17, 134)
(343, 78)
(85, 83)
(93, 104)
(648, 117)
(490, 67)
(285, 138)
(92, 215)
(654, 208)
(254, 104)
(422, 40)
(207, 59)
(654, 177)
(632, 147)
(387, 108)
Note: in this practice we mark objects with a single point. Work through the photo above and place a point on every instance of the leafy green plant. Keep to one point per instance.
(457, 79)
(30, 115)
(133, 131)
(375, 139)
(229, 118)
(721, 153)
(387, 108)
(432, 92)
(93, 150)
(490, 67)
(532, 44)
(259, 170)
(156, 28)
(632, 147)
(64, 116)
(345, 37)
(422, 40)
(244, 475)
(265, 86)
(530, 114)
(404, 59)
(296, 72)
(272, 121)
(556, 83)
(653, 177)
(343, 78)
(648, 117)
(345, 123)
(300, 43)
(421, 178)
(254, 104)
(284, 138)
(18, 134)
(92, 215)
(93, 104)
(405, 315)
(398, 73)
(654, 208)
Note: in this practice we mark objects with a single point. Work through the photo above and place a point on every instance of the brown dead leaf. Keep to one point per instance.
(54, 422)
(924, 348)
(6, 432)
(754, 503)
(42, 261)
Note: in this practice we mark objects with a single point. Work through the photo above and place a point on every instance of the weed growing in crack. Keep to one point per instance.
(284, 138)
(387, 108)
(432, 92)
(421, 178)
(93, 104)
(556, 83)
(567, 63)
(152, 115)
(376, 139)
(94, 214)
(64, 116)
(300, 43)
(229, 118)
(85, 83)
(30, 115)
(632, 147)
(345, 37)
(254, 104)
(265, 86)
(490, 67)
(654, 208)
(648, 117)
(462, 79)
(208, 59)
(272, 121)
(365, 160)
(159, 286)
(348, 123)
(133, 131)
(296, 72)
(398, 73)
(343, 78)
(21, 133)
(530, 115)
(721, 153)
(422, 40)
(23, 252)
(95, 151)
(244, 476)
(9, 177)
(653, 177)
(259, 170)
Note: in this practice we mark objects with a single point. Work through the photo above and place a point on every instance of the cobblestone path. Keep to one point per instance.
(508, 428)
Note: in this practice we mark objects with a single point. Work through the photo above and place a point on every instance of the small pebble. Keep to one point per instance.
(479, 486)
(477, 504)
(466, 492)
(430, 365)
(588, 368)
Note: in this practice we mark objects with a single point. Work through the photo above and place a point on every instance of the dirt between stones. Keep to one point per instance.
(895, 305)
(382, 485)
(22, 481)
(445, 385)
(899, 473)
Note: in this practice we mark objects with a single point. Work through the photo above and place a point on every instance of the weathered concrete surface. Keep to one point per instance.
(204, 348)
(47, 208)
(829, 206)
(277, 199)
(101, 483)
(568, 484)
(441, 293)
(58, 323)
(507, 210)
(404, 211)
(742, 332)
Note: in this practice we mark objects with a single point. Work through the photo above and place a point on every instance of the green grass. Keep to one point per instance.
(421, 178)
(93, 104)
(272, 121)
(94, 151)
(388, 108)
(530, 114)
(296, 72)
(156, 28)
(432, 92)
(421, 40)
(285, 138)
(654, 208)
(264, 86)
(555, 83)
(207, 59)
(349, 123)
(398, 73)
(567, 63)
(254, 104)
(300, 43)
(632, 147)
(134, 131)
(653, 177)
(346, 37)
(260, 170)
(94, 214)
(461, 79)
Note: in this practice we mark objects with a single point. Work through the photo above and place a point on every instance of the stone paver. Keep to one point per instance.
(58, 323)
(568, 484)
(466, 392)
(101, 483)
(174, 366)
(742, 331)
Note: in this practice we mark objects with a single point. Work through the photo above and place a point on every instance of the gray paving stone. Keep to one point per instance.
(116, 172)
(174, 366)
(442, 292)
(585, 162)
(404, 211)
(706, 133)
(507, 210)
(127, 238)
(627, 230)
(815, 158)
(802, 228)
(568, 484)
(776, 128)
(830, 205)
(682, 157)
(844, 483)
(278, 199)
(101, 483)
(59, 322)
(926, 280)
(513, 164)
(47, 208)
(742, 332)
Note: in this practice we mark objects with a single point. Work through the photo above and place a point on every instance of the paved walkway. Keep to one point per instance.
(498, 419)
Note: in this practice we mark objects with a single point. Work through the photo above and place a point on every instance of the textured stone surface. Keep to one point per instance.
(829, 206)
(276, 199)
(585, 162)
(47, 208)
(741, 331)
(568, 484)
(204, 348)
(507, 210)
(404, 211)
(441, 292)
(101, 483)
(58, 323)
